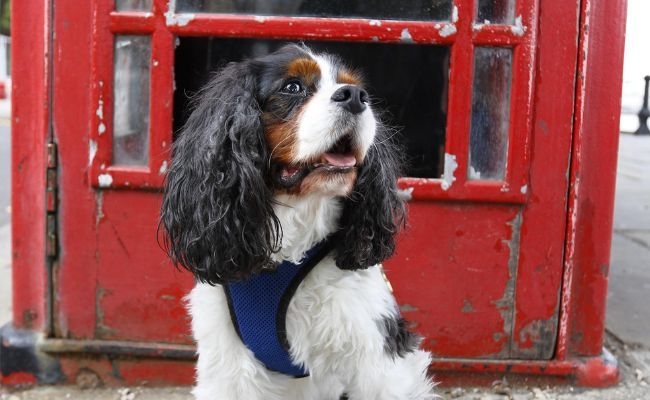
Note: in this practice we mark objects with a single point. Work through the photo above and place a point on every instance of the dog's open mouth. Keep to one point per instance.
(339, 159)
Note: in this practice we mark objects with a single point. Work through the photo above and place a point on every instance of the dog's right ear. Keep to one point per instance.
(217, 210)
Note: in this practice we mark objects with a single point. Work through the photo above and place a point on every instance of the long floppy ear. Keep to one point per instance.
(217, 206)
(374, 211)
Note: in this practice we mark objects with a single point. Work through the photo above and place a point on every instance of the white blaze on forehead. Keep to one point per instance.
(321, 122)
(327, 72)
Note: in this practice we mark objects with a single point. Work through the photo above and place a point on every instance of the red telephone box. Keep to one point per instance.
(508, 111)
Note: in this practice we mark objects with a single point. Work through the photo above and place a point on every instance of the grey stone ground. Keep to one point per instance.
(628, 318)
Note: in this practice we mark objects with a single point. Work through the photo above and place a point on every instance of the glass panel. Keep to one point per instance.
(490, 113)
(410, 95)
(496, 11)
(131, 100)
(133, 5)
(380, 9)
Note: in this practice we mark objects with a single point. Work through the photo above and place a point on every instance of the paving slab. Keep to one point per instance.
(628, 299)
(628, 311)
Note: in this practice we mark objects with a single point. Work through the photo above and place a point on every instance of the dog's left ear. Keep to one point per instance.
(374, 211)
(217, 210)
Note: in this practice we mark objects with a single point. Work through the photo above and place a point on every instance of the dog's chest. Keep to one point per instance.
(258, 309)
(335, 313)
(331, 315)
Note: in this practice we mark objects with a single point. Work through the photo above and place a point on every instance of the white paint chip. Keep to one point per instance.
(100, 109)
(474, 174)
(101, 128)
(406, 36)
(105, 180)
(375, 22)
(92, 151)
(454, 14)
(524, 189)
(163, 168)
(173, 19)
(406, 194)
(448, 177)
(447, 30)
(518, 28)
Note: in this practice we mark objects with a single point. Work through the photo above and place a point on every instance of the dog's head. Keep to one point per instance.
(294, 123)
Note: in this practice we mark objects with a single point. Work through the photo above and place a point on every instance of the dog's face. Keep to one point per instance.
(317, 120)
(292, 122)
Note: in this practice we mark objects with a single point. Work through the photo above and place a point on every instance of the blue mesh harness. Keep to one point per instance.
(258, 308)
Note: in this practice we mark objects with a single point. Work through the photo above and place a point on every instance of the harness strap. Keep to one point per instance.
(258, 308)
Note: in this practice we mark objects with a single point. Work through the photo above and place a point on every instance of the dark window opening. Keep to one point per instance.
(381, 9)
(407, 82)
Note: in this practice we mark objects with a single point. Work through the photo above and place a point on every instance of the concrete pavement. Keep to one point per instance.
(628, 316)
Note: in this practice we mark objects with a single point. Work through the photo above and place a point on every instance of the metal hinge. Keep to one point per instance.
(51, 203)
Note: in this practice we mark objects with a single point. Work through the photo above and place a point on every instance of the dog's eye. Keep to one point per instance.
(293, 87)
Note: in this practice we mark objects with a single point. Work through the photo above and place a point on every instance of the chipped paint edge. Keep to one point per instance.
(174, 19)
(454, 13)
(518, 28)
(105, 180)
(448, 177)
(92, 151)
(405, 36)
(99, 112)
(447, 30)
(406, 194)
(163, 168)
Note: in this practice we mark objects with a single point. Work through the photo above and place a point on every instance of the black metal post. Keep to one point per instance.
(644, 113)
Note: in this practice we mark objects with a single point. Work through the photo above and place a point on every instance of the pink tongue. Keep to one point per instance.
(340, 160)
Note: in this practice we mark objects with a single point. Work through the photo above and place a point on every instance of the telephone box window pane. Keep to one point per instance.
(490, 113)
(407, 85)
(380, 9)
(131, 100)
(496, 11)
(133, 5)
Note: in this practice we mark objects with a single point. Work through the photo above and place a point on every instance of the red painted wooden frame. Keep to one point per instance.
(462, 33)
(160, 112)
(30, 129)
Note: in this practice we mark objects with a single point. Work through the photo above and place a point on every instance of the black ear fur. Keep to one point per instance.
(217, 206)
(374, 211)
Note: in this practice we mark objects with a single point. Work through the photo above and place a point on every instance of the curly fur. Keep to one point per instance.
(217, 205)
(374, 212)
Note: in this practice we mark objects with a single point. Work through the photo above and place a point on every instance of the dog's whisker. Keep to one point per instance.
(275, 148)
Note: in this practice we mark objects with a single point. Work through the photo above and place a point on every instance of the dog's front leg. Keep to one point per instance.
(400, 378)
(226, 368)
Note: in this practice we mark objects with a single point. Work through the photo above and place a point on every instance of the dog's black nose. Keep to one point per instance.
(351, 98)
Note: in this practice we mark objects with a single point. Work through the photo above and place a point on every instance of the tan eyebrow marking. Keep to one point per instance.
(306, 69)
(348, 77)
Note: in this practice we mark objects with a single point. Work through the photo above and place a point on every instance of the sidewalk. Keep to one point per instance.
(628, 318)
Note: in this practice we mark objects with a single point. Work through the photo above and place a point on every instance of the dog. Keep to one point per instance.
(281, 199)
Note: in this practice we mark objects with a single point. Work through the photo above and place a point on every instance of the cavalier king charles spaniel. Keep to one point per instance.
(281, 199)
